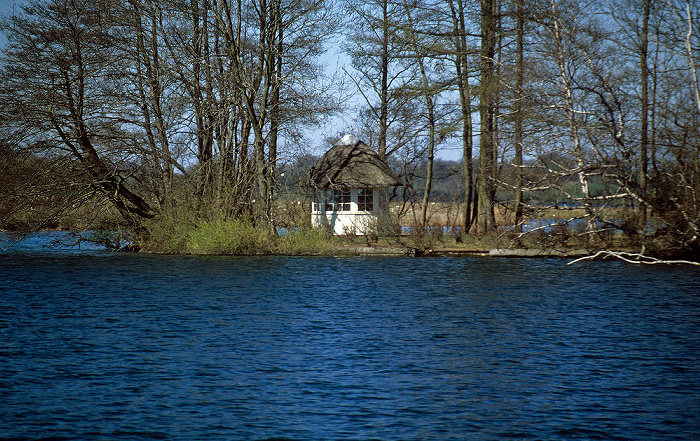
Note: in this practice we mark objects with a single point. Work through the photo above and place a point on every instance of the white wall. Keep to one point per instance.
(344, 222)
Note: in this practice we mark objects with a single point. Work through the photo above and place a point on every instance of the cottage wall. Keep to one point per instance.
(340, 221)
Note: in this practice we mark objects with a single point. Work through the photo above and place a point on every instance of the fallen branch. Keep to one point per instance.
(636, 258)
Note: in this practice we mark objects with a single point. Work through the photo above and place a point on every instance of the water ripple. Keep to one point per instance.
(142, 347)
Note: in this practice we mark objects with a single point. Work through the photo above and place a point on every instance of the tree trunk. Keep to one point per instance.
(462, 70)
(566, 88)
(150, 94)
(485, 185)
(518, 128)
(430, 105)
(644, 140)
(384, 92)
(274, 121)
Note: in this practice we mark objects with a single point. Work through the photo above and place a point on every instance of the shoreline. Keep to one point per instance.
(389, 250)
(456, 252)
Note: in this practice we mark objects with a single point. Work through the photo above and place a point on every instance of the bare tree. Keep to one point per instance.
(428, 90)
(518, 110)
(644, 129)
(149, 94)
(57, 92)
(485, 181)
(462, 70)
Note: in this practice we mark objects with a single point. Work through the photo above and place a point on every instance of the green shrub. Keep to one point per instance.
(165, 235)
(304, 242)
(177, 234)
(235, 237)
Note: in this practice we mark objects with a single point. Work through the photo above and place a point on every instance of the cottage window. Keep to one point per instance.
(365, 199)
(338, 200)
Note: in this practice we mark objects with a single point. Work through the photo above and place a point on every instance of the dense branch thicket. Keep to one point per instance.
(580, 105)
(162, 107)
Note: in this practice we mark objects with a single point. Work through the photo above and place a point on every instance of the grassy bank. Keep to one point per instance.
(231, 237)
(183, 231)
(170, 235)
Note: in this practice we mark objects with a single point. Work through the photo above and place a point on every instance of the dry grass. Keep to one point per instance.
(442, 231)
(451, 214)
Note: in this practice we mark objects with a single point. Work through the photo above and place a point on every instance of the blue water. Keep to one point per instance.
(102, 346)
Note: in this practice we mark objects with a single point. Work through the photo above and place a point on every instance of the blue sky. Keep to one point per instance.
(6, 7)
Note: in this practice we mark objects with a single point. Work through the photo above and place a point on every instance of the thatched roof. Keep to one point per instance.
(350, 163)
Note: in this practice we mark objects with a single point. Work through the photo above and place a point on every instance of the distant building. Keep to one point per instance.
(347, 181)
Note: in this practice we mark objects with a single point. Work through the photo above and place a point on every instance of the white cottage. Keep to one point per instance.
(346, 182)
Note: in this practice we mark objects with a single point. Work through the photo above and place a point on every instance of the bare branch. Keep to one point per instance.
(635, 258)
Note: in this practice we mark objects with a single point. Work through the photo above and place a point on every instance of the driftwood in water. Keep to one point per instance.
(637, 258)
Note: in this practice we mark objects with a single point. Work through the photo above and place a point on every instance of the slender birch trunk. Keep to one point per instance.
(566, 88)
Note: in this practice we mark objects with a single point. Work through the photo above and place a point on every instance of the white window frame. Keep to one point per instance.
(335, 200)
(365, 200)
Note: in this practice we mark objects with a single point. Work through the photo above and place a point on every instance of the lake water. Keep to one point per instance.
(103, 346)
